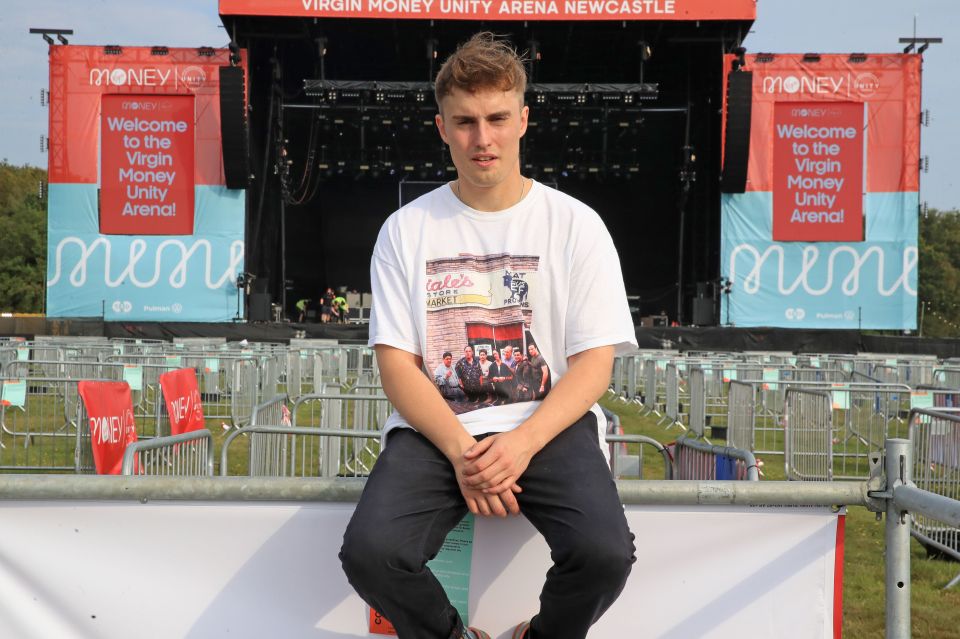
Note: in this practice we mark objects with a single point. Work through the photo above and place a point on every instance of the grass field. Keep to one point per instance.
(935, 612)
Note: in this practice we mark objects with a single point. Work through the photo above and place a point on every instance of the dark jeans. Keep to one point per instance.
(411, 501)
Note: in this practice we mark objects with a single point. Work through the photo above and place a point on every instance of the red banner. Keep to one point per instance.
(81, 76)
(146, 165)
(182, 396)
(888, 85)
(112, 428)
(498, 9)
(818, 172)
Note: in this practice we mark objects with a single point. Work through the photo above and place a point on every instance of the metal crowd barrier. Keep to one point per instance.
(671, 408)
(697, 420)
(697, 459)
(935, 437)
(284, 453)
(45, 432)
(623, 465)
(650, 386)
(349, 412)
(188, 454)
(741, 404)
(947, 377)
(890, 489)
(808, 433)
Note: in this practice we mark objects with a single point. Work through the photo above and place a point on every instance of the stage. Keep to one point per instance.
(685, 339)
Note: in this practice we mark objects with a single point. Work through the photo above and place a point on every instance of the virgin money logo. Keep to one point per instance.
(861, 84)
(131, 76)
(191, 77)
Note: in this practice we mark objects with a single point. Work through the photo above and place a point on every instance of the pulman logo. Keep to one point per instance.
(177, 307)
(121, 306)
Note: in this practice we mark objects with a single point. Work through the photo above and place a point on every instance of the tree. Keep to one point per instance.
(23, 234)
(939, 288)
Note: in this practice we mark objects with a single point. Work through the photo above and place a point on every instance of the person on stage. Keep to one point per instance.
(437, 276)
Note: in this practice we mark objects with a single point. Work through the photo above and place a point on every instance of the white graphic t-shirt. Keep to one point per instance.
(529, 286)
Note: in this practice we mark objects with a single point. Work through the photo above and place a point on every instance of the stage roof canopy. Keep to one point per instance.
(586, 10)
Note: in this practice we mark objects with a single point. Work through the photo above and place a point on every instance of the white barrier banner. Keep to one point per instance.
(201, 570)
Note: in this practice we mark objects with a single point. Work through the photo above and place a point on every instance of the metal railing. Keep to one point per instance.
(698, 401)
(808, 433)
(621, 463)
(283, 455)
(741, 405)
(188, 454)
(697, 459)
(890, 489)
(935, 437)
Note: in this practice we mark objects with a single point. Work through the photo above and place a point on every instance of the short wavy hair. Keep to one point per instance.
(485, 61)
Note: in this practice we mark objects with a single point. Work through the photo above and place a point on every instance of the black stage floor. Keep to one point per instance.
(682, 338)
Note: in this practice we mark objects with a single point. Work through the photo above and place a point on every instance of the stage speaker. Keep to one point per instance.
(233, 128)
(259, 310)
(703, 315)
(736, 134)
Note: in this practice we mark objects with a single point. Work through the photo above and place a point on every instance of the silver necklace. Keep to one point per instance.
(523, 189)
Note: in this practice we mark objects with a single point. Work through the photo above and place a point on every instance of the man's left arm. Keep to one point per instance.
(497, 462)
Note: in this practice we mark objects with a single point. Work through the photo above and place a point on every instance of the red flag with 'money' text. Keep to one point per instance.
(182, 396)
(112, 428)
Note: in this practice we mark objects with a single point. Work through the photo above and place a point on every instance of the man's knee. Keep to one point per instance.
(607, 562)
(365, 555)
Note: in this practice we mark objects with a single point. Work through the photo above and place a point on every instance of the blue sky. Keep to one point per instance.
(785, 26)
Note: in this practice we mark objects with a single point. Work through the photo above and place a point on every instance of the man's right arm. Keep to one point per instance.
(413, 395)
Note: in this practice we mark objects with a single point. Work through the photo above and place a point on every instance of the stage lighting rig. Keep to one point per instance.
(923, 42)
(47, 34)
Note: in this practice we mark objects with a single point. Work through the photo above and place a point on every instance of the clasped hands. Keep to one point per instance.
(488, 472)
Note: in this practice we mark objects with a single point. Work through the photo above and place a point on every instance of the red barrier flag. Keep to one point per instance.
(182, 396)
(110, 413)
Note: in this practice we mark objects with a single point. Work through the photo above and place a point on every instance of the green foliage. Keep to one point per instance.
(940, 273)
(23, 233)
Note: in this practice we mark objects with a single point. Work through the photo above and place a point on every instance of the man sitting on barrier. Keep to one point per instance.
(437, 272)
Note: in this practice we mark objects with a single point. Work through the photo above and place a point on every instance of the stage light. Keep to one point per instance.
(206, 52)
(763, 58)
(234, 53)
(47, 33)
(857, 58)
(646, 51)
(811, 57)
(159, 51)
(112, 49)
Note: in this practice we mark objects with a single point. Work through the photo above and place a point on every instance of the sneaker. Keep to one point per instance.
(522, 631)
(473, 633)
